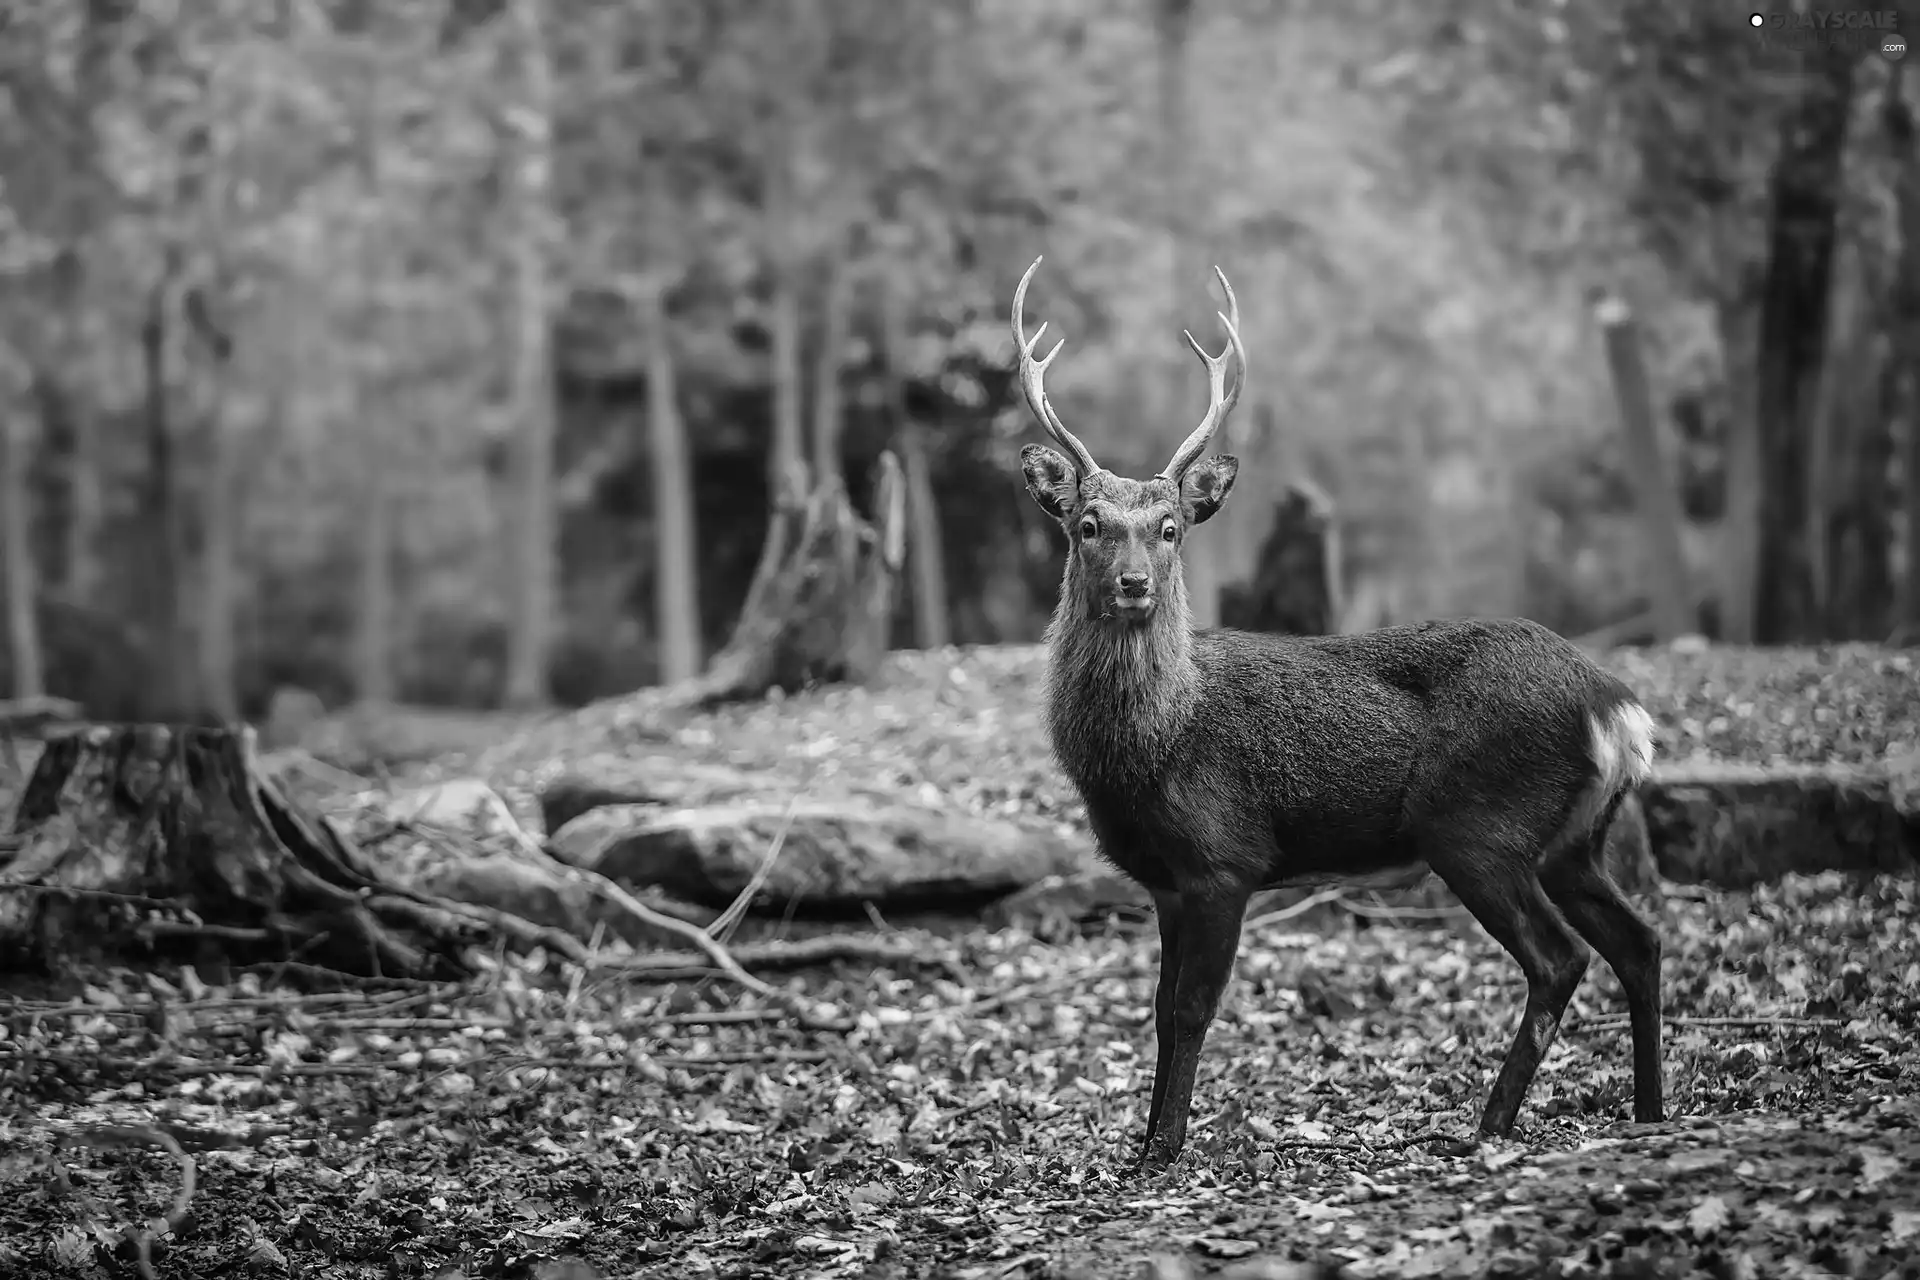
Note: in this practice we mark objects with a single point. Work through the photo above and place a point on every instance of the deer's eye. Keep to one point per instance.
(1170, 530)
(1089, 527)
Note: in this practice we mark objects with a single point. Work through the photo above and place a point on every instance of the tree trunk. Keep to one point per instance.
(1294, 587)
(676, 594)
(1834, 434)
(162, 552)
(836, 299)
(1898, 122)
(1659, 503)
(373, 613)
(676, 569)
(786, 463)
(827, 610)
(1185, 400)
(22, 583)
(1860, 539)
(1849, 530)
(1803, 214)
(926, 555)
(183, 823)
(219, 693)
(60, 420)
(533, 550)
(81, 579)
(81, 559)
(1740, 521)
(373, 610)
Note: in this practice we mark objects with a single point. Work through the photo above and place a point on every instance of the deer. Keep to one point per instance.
(1215, 764)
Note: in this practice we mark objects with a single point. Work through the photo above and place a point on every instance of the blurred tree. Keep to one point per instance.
(1804, 206)
(372, 656)
(216, 648)
(676, 548)
(22, 580)
(829, 419)
(1182, 204)
(1897, 119)
(1655, 496)
(784, 132)
(162, 548)
(676, 598)
(926, 556)
(527, 136)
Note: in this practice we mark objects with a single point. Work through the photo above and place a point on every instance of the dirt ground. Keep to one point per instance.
(972, 1114)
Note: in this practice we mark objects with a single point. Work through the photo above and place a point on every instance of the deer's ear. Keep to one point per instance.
(1051, 479)
(1207, 484)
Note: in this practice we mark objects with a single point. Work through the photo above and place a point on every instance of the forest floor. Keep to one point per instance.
(973, 1116)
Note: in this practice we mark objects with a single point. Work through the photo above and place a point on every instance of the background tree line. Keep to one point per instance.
(459, 351)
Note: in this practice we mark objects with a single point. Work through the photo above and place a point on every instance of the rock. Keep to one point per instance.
(837, 852)
(655, 780)
(1736, 825)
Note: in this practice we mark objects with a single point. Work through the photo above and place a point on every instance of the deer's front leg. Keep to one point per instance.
(1209, 931)
(1166, 909)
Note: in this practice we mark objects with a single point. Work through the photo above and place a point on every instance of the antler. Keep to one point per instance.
(1033, 375)
(1220, 400)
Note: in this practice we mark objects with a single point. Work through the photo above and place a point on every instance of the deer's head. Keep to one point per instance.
(1124, 536)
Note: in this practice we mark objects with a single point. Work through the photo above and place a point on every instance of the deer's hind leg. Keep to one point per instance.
(1575, 877)
(1495, 880)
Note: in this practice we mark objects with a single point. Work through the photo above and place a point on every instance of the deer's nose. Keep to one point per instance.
(1134, 585)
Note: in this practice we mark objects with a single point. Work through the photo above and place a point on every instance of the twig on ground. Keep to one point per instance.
(1311, 1144)
(1384, 911)
(801, 954)
(1401, 1144)
(386, 1002)
(705, 943)
(163, 1065)
(107, 1137)
(610, 891)
(974, 1108)
(719, 1018)
(723, 926)
(1297, 909)
(278, 969)
(1613, 1021)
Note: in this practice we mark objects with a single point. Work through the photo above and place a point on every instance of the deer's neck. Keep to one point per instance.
(1118, 696)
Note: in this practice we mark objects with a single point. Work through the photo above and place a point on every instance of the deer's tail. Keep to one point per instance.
(1620, 742)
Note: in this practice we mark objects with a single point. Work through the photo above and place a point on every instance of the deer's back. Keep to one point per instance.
(1320, 755)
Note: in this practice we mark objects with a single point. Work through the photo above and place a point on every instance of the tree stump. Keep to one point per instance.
(1295, 586)
(821, 604)
(137, 838)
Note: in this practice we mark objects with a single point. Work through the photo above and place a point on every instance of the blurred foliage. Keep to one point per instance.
(1411, 200)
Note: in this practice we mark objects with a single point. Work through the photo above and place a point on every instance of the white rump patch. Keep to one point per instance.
(1621, 743)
